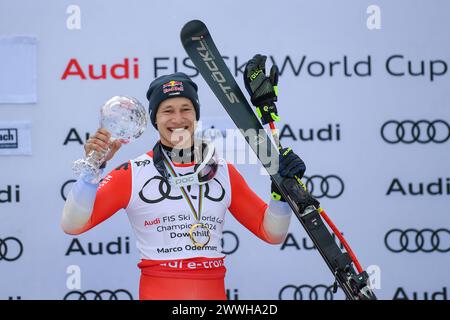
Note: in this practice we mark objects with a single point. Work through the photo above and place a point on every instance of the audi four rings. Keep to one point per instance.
(11, 249)
(164, 189)
(120, 294)
(414, 240)
(231, 244)
(421, 131)
(330, 186)
(306, 292)
(64, 186)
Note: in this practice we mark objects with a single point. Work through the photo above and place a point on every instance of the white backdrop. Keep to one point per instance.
(337, 74)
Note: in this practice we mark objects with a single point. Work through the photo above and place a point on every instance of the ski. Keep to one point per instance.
(200, 47)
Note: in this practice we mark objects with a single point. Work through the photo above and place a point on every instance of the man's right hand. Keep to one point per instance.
(100, 142)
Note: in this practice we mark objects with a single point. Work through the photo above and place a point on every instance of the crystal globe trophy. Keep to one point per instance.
(126, 119)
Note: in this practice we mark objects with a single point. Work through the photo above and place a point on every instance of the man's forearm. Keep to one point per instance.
(276, 220)
(78, 207)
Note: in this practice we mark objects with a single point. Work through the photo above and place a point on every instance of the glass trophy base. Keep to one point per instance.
(87, 171)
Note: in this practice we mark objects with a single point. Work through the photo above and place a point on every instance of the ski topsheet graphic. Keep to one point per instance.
(200, 47)
(202, 51)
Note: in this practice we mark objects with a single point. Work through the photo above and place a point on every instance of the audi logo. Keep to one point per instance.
(330, 186)
(10, 249)
(120, 294)
(231, 244)
(306, 292)
(63, 188)
(421, 131)
(413, 240)
(165, 190)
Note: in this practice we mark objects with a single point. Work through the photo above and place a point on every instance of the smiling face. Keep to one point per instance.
(175, 121)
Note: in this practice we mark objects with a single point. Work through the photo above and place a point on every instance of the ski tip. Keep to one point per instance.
(193, 23)
(192, 28)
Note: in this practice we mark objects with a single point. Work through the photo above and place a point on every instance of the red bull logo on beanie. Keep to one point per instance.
(173, 86)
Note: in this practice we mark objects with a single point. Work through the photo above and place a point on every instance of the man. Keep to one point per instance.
(176, 197)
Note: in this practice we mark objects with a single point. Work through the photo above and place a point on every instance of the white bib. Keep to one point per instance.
(161, 216)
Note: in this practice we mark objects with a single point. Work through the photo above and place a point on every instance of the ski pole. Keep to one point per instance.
(320, 209)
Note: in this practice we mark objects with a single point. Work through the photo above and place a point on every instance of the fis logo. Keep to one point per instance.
(9, 138)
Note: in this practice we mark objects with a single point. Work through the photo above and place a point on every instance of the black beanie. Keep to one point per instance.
(171, 86)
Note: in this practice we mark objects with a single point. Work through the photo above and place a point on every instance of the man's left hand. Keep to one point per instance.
(290, 166)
